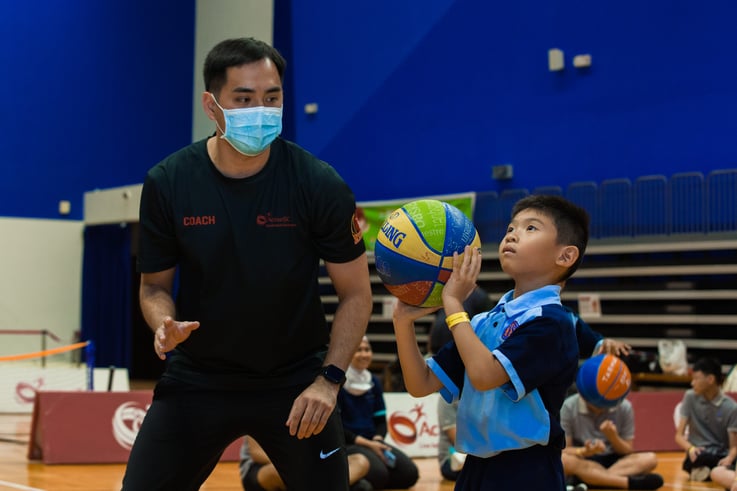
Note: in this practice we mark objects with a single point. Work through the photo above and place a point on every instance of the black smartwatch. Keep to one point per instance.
(333, 374)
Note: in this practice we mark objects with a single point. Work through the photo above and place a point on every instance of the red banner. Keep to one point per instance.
(75, 427)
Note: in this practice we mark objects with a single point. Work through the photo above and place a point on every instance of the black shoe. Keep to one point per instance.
(645, 481)
(362, 485)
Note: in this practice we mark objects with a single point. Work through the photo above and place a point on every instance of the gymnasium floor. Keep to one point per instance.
(17, 473)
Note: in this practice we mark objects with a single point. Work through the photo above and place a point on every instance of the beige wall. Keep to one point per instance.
(40, 281)
(222, 19)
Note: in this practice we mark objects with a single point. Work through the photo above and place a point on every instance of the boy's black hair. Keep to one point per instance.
(571, 221)
(709, 365)
(237, 52)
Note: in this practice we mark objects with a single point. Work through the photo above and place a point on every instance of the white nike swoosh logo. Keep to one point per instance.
(324, 455)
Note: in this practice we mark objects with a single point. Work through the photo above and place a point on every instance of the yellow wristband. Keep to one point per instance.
(454, 319)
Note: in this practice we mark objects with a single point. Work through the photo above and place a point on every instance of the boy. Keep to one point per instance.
(711, 420)
(600, 446)
(511, 366)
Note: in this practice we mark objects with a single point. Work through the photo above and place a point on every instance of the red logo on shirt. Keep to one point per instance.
(269, 221)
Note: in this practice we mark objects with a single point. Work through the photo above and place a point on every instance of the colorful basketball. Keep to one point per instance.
(603, 380)
(415, 246)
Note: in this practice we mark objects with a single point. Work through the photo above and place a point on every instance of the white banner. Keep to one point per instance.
(412, 423)
(19, 383)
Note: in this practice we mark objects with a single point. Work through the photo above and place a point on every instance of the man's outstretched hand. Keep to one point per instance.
(170, 333)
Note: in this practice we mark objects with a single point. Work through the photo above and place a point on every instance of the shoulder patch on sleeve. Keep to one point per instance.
(358, 222)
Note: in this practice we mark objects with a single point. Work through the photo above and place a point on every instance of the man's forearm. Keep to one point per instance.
(156, 304)
(349, 326)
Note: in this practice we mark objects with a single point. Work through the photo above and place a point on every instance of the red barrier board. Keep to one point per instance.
(76, 427)
(655, 428)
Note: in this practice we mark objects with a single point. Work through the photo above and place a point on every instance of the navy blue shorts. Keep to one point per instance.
(531, 468)
(606, 460)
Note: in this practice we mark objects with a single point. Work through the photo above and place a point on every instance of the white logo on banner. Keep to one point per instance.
(126, 423)
(25, 392)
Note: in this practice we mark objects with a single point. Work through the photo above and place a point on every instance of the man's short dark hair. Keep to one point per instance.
(237, 52)
(571, 221)
(709, 365)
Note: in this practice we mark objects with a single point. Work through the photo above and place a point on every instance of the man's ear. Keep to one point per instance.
(208, 105)
(568, 255)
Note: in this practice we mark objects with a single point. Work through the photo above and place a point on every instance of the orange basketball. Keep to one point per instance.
(604, 380)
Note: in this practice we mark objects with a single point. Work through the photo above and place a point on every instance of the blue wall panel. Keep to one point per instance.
(425, 102)
(94, 93)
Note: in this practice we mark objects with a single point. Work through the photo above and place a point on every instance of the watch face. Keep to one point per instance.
(334, 374)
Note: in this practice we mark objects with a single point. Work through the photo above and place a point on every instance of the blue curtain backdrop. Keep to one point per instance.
(106, 293)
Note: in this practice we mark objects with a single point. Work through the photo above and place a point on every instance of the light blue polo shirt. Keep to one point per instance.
(534, 339)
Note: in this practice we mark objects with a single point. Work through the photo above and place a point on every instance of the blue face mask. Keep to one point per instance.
(250, 130)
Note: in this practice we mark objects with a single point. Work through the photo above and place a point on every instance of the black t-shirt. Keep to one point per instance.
(248, 253)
